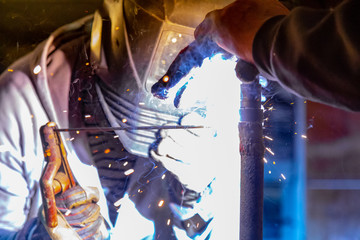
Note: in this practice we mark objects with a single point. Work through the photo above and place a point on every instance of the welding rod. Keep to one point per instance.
(110, 129)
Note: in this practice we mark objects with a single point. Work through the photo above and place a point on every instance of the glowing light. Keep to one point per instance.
(304, 136)
(282, 175)
(71, 139)
(117, 28)
(37, 69)
(161, 203)
(10, 70)
(116, 136)
(128, 90)
(274, 162)
(107, 151)
(88, 116)
(266, 161)
(165, 79)
(128, 172)
(118, 202)
(65, 111)
(87, 64)
(51, 124)
(180, 35)
(268, 138)
(109, 165)
(263, 81)
(141, 103)
(77, 132)
(269, 172)
(125, 163)
(124, 120)
(168, 222)
(163, 176)
(67, 213)
(173, 40)
(79, 99)
(270, 151)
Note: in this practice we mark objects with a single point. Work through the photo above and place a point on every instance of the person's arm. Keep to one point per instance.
(314, 53)
(20, 159)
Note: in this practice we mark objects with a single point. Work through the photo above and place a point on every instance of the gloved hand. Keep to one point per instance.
(78, 205)
(234, 27)
(81, 213)
(190, 154)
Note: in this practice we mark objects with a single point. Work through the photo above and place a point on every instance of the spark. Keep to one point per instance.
(107, 151)
(88, 116)
(109, 165)
(116, 136)
(125, 163)
(163, 176)
(37, 70)
(71, 139)
(304, 136)
(274, 162)
(269, 172)
(124, 120)
(161, 203)
(79, 99)
(87, 64)
(67, 213)
(168, 222)
(10, 70)
(266, 161)
(174, 40)
(165, 79)
(141, 103)
(118, 202)
(269, 150)
(282, 175)
(128, 172)
(117, 28)
(269, 138)
(77, 132)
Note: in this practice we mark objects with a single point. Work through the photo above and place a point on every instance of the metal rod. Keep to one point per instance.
(110, 129)
(252, 154)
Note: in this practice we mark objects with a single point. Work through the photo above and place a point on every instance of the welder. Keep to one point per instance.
(97, 72)
(314, 53)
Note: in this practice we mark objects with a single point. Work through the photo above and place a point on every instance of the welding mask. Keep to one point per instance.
(133, 43)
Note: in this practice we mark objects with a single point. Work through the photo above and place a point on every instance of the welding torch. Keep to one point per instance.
(250, 127)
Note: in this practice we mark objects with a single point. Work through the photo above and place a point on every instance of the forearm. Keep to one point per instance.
(314, 53)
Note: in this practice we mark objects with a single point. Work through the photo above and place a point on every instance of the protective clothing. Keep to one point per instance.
(61, 82)
(294, 48)
(323, 64)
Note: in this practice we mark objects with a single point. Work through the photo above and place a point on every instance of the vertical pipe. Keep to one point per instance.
(252, 153)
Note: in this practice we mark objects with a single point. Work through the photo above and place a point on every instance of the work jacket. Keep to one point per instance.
(314, 53)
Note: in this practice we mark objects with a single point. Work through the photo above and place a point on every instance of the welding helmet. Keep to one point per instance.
(134, 41)
(132, 44)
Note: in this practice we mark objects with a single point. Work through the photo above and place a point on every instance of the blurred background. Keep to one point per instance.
(312, 169)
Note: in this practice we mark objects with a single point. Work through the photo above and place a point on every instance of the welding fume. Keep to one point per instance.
(154, 180)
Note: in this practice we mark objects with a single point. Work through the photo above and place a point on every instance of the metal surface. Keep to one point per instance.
(252, 154)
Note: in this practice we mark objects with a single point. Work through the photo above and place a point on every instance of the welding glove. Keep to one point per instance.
(234, 27)
(79, 208)
(190, 154)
